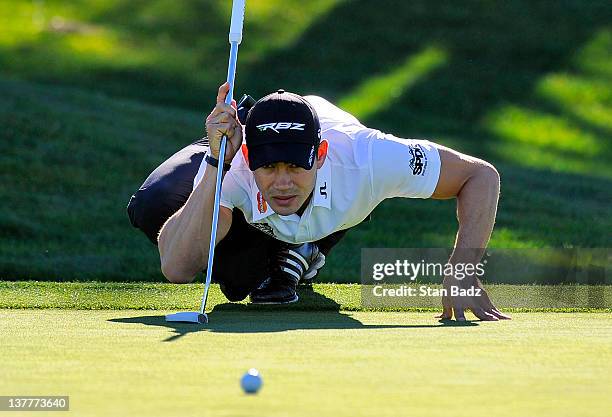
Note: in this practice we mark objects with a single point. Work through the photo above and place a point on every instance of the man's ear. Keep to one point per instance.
(322, 154)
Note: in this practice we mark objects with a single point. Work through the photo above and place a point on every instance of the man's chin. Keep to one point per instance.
(283, 210)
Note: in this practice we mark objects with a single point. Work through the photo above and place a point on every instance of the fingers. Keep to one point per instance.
(480, 305)
(225, 129)
(447, 309)
(484, 315)
(447, 314)
(500, 315)
(222, 93)
(459, 314)
(481, 313)
(490, 314)
(221, 109)
(222, 113)
(223, 121)
(486, 307)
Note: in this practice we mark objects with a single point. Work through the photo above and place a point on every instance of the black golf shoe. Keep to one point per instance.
(294, 264)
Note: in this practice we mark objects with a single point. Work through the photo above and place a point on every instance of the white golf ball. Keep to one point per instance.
(251, 381)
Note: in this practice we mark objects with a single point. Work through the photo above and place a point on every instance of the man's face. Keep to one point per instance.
(285, 187)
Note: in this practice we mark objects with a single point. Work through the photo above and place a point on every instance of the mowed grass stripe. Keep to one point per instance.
(119, 363)
(321, 297)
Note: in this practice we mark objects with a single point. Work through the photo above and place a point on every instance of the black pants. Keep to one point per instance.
(242, 258)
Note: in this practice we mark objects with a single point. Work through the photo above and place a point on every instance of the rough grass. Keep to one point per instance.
(95, 94)
(326, 363)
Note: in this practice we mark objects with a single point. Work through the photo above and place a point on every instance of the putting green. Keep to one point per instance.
(120, 363)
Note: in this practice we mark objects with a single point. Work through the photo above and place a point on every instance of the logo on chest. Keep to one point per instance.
(323, 190)
(262, 204)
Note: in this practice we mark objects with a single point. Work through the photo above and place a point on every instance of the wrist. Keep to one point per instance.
(211, 160)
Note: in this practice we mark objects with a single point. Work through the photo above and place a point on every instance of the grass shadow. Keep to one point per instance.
(252, 318)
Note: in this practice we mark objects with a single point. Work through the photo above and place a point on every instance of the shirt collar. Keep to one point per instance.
(260, 207)
(322, 191)
(321, 195)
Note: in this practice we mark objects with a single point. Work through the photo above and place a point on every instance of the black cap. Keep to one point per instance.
(282, 127)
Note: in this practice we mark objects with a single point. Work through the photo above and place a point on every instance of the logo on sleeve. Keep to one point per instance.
(418, 162)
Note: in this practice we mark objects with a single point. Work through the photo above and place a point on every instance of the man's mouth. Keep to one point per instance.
(284, 200)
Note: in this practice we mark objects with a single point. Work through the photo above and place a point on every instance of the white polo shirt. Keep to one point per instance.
(363, 167)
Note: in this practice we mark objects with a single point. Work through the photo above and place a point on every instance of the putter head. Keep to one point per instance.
(188, 317)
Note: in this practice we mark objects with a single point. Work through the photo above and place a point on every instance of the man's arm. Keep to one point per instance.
(184, 239)
(475, 184)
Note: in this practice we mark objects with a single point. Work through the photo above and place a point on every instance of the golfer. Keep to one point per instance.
(298, 173)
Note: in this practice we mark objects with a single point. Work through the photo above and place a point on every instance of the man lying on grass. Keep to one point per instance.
(305, 174)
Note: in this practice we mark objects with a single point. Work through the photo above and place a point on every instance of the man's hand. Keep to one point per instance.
(479, 303)
(223, 120)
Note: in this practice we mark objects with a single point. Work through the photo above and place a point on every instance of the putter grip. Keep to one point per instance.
(235, 33)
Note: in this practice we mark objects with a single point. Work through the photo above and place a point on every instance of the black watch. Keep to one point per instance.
(215, 162)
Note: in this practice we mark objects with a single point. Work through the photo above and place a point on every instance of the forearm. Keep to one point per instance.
(476, 211)
(185, 237)
(474, 183)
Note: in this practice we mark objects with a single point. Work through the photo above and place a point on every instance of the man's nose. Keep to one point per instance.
(283, 180)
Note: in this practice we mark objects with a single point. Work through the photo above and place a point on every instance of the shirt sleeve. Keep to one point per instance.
(230, 192)
(403, 167)
(232, 195)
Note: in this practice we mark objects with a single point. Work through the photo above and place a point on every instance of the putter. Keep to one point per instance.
(235, 37)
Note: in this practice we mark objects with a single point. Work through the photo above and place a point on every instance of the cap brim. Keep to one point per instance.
(300, 154)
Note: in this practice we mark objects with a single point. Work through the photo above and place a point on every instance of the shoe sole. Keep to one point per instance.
(293, 300)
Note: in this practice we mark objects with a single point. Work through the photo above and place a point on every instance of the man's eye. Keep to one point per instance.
(293, 166)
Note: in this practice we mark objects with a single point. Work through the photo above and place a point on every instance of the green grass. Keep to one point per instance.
(114, 363)
(95, 94)
(321, 297)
